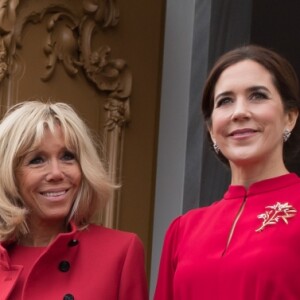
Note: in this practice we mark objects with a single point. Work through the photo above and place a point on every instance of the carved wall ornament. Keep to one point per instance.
(61, 45)
(105, 12)
(7, 23)
(69, 35)
(3, 60)
(118, 113)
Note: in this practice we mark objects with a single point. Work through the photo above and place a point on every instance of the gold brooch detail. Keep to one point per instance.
(275, 213)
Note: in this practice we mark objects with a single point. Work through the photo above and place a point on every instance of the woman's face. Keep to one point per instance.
(248, 118)
(49, 179)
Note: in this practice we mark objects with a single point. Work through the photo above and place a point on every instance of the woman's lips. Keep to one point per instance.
(54, 194)
(243, 132)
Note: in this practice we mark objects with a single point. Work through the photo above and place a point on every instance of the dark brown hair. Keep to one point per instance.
(284, 78)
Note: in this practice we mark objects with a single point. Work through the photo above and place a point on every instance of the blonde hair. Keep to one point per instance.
(22, 129)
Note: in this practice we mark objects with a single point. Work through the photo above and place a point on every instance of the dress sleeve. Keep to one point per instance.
(133, 283)
(164, 286)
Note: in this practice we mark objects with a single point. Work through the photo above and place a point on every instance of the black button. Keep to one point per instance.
(64, 266)
(73, 243)
(68, 297)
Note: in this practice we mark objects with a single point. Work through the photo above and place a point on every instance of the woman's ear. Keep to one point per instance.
(209, 128)
(292, 118)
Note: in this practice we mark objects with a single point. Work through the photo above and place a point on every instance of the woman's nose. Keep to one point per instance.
(54, 172)
(240, 110)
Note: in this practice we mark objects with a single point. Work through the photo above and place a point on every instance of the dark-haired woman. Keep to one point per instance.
(245, 246)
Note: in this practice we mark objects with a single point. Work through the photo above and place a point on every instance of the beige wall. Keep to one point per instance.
(142, 25)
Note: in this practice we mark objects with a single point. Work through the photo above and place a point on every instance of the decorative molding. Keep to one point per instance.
(61, 44)
(3, 61)
(69, 37)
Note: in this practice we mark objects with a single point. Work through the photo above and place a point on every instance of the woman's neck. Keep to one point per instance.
(246, 175)
(41, 235)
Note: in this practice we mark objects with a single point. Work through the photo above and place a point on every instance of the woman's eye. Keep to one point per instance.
(223, 101)
(36, 160)
(258, 96)
(67, 155)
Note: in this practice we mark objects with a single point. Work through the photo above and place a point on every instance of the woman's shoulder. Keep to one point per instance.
(197, 213)
(108, 235)
(190, 219)
(110, 246)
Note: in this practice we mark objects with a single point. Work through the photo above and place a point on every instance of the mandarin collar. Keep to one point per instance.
(264, 186)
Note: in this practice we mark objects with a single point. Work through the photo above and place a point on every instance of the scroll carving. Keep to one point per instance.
(69, 38)
(105, 12)
(61, 45)
(69, 41)
(7, 23)
(3, 61)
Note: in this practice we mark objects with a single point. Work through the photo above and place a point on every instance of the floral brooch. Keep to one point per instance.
(275, 213)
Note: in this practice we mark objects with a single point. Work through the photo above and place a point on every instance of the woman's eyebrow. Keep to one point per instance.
(257, 88)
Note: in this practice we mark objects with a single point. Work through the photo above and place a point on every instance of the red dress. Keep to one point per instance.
(222, 252)
(92, 264)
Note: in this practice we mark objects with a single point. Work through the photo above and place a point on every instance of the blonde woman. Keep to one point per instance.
(52, 183)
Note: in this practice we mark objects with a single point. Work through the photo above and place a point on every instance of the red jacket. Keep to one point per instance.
(93, 264)
(221, 252)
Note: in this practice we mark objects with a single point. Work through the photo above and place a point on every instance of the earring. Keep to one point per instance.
(286, 134)
(216, 147)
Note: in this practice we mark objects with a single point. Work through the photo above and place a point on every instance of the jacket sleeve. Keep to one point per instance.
(164, 286)
(133, 283)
